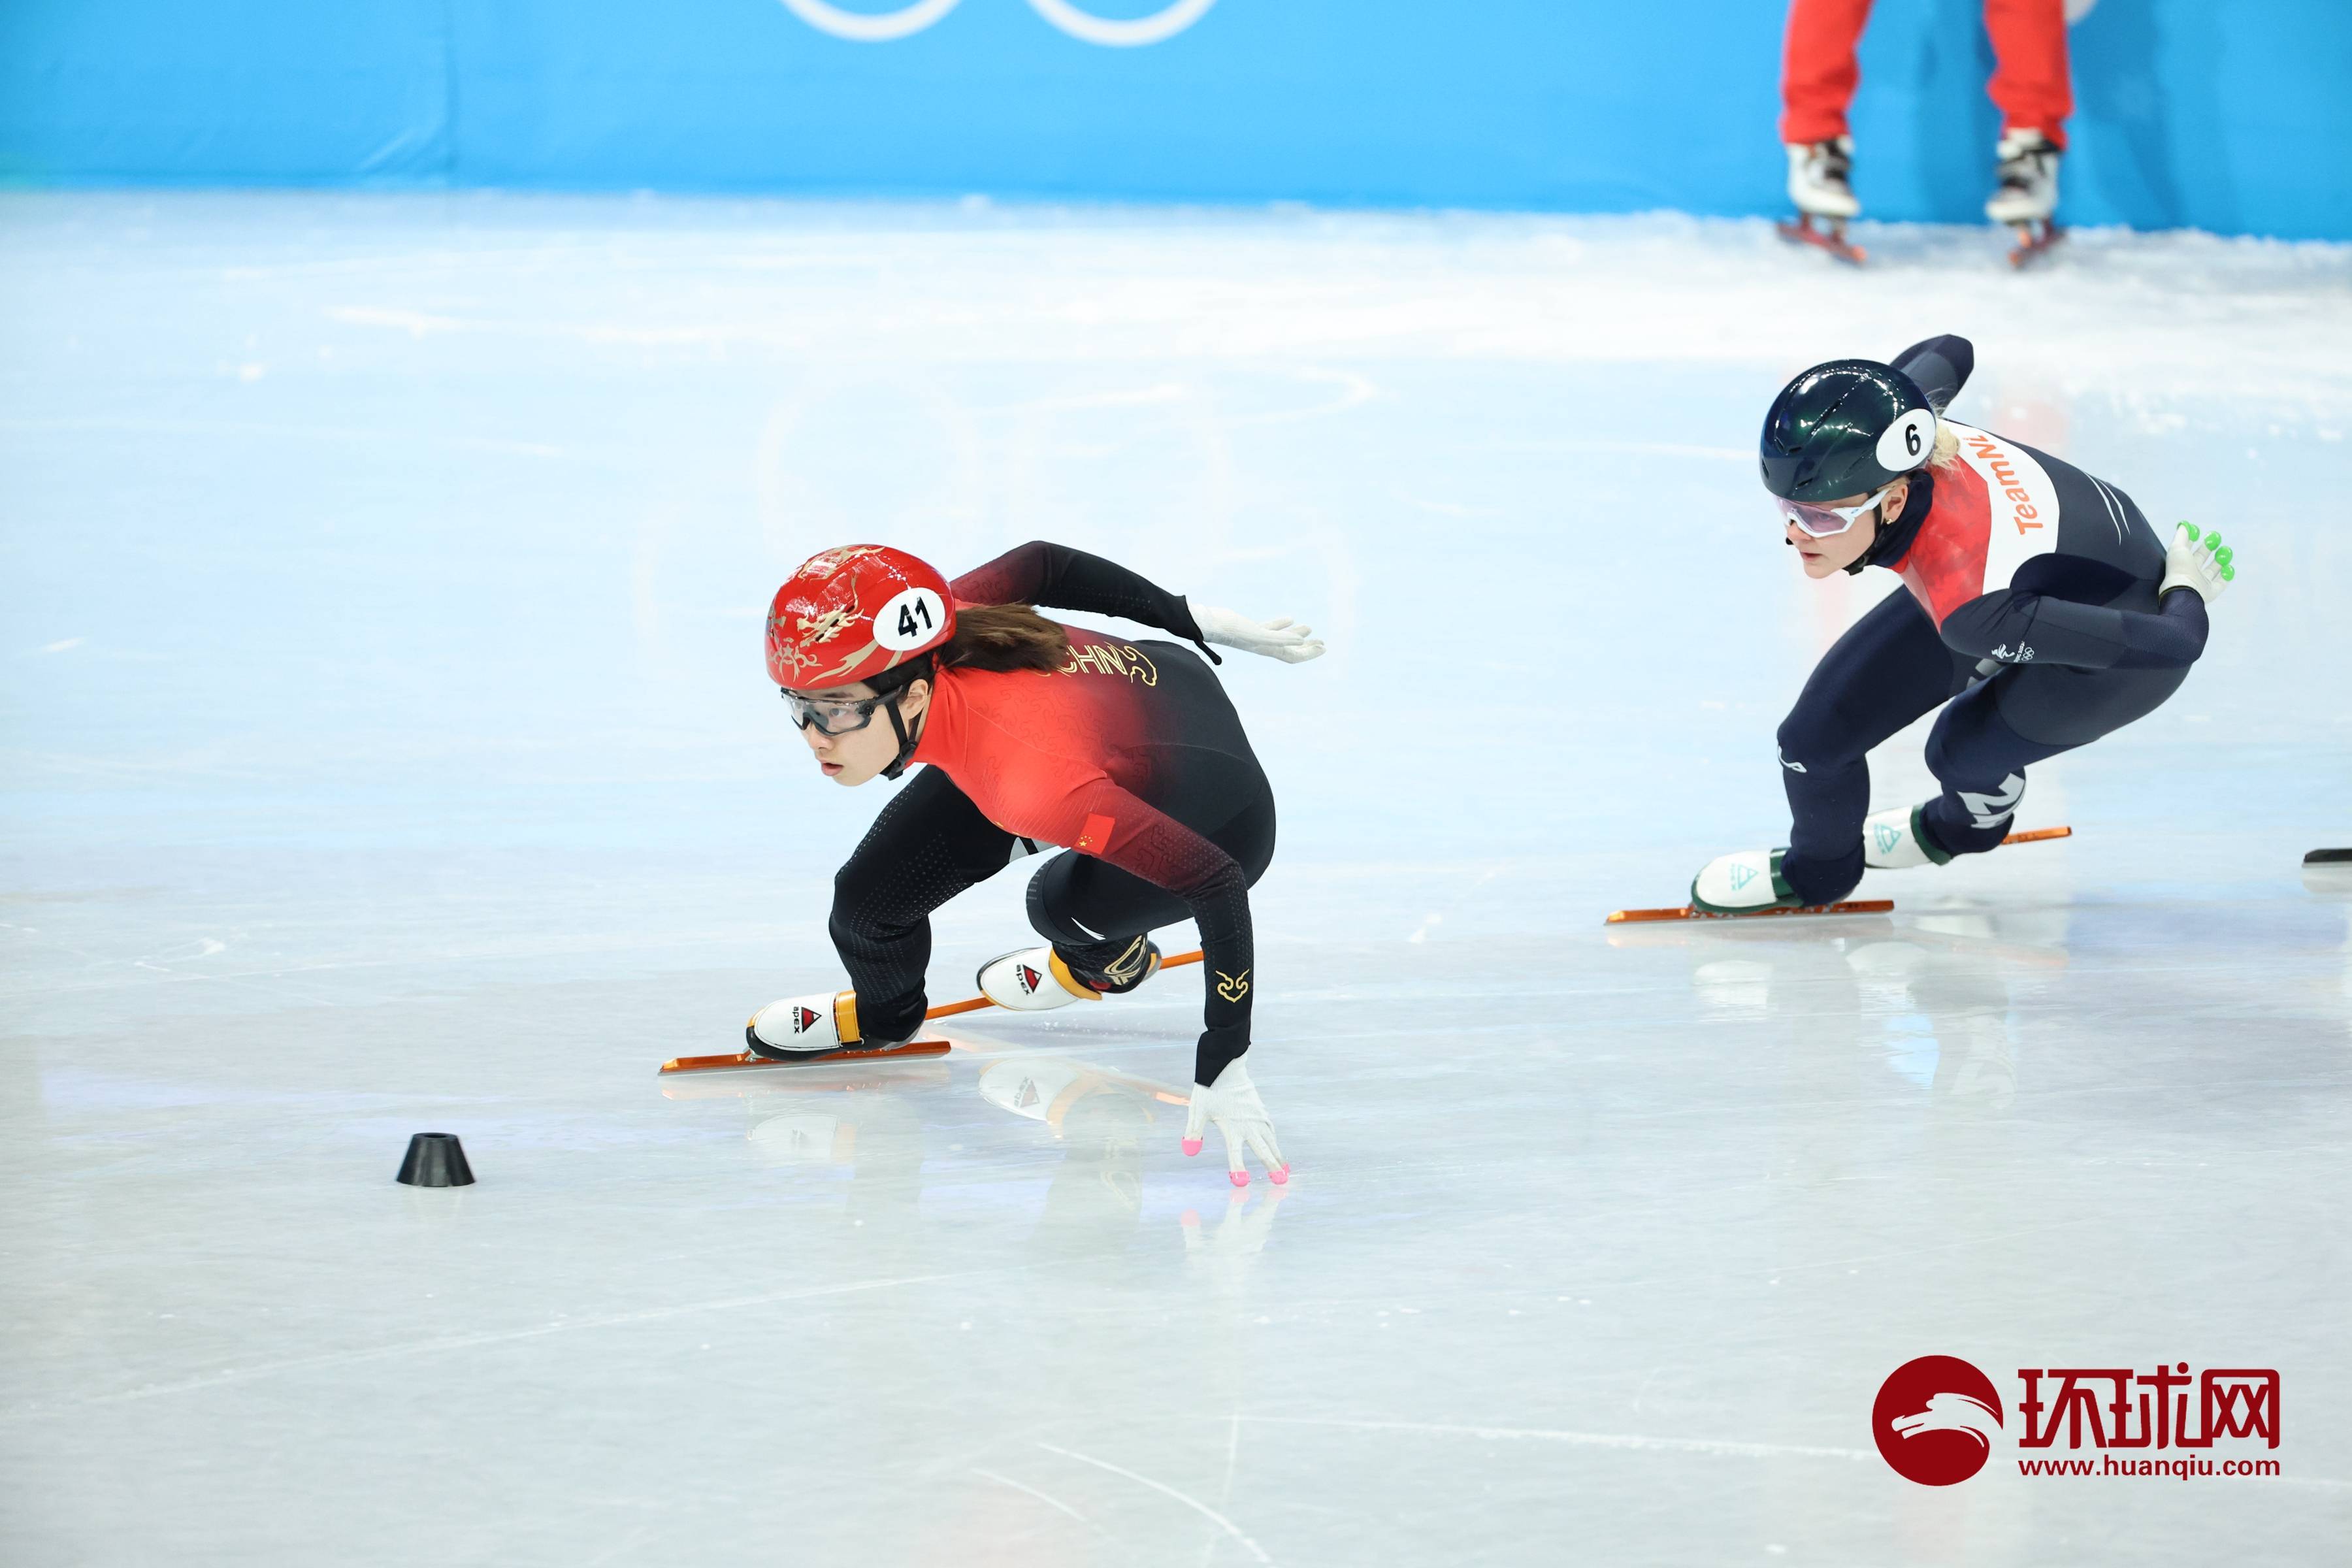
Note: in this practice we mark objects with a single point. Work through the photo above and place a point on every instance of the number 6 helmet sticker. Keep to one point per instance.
(1908, 442)
(888, 26)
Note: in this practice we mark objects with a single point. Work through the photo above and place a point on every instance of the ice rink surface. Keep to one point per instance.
(387, 750)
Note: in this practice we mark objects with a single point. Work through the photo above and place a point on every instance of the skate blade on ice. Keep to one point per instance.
(1831, 238)
(870, 1076)
(1848, 907)
(855, 1053)
(1685, 912)
(911, 1050)
(2034, 240)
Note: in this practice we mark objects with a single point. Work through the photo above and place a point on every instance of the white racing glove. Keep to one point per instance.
(2196, 564)
(1276, 640)
(1231, 1103)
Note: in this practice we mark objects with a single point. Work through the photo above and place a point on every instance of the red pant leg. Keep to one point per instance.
(1818, 71)
(2030, 84)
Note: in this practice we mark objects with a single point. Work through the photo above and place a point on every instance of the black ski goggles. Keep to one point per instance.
(833, 715)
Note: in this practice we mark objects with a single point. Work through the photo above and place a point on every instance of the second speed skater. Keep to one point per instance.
(2041, 611)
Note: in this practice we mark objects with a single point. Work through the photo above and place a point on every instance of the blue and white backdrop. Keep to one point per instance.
(2229, 117)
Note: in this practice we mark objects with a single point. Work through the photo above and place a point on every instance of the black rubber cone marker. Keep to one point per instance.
(436, 1159)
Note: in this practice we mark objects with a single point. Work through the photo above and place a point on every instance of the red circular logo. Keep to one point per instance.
(1936, 1419)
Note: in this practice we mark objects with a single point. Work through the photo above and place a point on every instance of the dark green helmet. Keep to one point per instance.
(1849, 427)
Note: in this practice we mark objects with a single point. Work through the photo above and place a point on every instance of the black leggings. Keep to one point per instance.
(1888, 669)
(930, 843)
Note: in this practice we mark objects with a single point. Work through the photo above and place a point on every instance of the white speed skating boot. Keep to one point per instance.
(801, 1028)
(1893, 840)
(1747, 883)
(1033, 979)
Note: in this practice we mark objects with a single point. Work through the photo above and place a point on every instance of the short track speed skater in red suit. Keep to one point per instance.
(1032, 735)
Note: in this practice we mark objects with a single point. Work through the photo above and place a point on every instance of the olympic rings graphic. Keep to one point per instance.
(863, 27)
(1093, 29)
(887, 27)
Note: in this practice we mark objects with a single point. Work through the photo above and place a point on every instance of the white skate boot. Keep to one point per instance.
(1747, 883)
(1892, 840)
(1820, 176)
(1033, 979)
(804, 1027)
(2026, 198)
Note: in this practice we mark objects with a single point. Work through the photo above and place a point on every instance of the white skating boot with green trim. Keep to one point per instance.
(1746, 882)
(1893, 840)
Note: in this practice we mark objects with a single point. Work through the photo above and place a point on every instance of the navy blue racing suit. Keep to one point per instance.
(2017, 564)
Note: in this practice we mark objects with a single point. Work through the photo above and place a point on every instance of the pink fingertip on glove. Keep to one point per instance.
(1192, 1145)
(1279, 1178)
(1241, 1178)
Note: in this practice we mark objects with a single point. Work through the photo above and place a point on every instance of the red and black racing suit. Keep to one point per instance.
(1131, 755)
(2013, 559)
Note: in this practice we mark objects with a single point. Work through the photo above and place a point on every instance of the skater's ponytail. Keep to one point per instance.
(1947, 450)
(1004, 637)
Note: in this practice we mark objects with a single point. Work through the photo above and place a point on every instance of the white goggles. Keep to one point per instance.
(1828, 522)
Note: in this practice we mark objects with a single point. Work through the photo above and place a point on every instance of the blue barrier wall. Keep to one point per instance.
(2235, 117)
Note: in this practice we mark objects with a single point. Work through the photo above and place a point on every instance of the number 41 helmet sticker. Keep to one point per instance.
(888, 26)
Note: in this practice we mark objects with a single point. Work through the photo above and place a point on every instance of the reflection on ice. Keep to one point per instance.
(1933, 996)
(1106, 1124)
(1046, 1089)
(2328, 881)
(1240, 1233)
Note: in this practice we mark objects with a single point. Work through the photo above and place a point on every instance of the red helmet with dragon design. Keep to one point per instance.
(848, 615)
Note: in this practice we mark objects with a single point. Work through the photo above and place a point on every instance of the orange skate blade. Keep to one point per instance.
(1685, 912)
(2033, 243)
(747, 1059)
(1830, 237)
(1854, 907)
(951, 1009)
(854, 1077)
(919, 1048)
